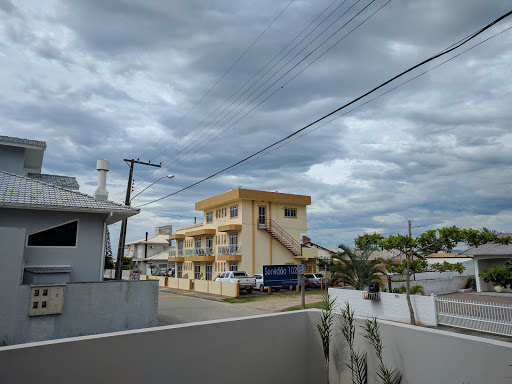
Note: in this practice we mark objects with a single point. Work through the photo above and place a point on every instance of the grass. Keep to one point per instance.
(318, 304)
(247, 299)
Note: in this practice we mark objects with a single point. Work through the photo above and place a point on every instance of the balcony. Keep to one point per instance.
(176, 256)
(229, 252)
(200, 254)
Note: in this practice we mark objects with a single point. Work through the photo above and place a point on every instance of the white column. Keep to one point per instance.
(477, 278)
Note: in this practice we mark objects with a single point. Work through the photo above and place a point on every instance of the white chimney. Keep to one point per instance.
(101, 193)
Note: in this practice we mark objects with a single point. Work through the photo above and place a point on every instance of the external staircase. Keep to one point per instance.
(282, 236)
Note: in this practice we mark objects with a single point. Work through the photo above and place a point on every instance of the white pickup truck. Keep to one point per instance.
(246, 282)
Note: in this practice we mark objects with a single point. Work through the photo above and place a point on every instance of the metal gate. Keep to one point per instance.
(485, 317)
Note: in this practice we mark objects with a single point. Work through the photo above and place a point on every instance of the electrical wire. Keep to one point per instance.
(442, 53)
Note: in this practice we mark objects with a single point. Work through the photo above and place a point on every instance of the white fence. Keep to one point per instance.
(492, 318)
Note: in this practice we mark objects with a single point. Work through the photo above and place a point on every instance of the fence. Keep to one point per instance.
(492, 318)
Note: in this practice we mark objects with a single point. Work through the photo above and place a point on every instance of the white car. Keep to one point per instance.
(259, 283)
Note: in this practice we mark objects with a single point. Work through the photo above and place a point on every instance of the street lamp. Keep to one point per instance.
(163, 177)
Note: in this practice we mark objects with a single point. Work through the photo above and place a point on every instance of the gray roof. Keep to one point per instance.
(490, 248)
(17, 140)
(62, 181)
(22, 192)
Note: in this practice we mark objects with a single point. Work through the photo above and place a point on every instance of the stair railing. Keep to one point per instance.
(284, 237)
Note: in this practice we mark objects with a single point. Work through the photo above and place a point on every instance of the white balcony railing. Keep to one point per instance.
(174, 252)
(229, 249)
(199, 251)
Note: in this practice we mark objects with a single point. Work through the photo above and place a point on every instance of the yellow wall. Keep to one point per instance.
(173, 282)
(229, 289)
(201, 286)
(215, 287)
(184, 284)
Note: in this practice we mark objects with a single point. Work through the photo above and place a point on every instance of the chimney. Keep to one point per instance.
(101, 194)
(305, 239)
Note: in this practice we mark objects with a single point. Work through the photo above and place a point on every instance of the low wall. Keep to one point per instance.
(230, 289)
(215, 288)
(283, 344)
(173, 282)
(390, 306)
(438, 286)
(184, 284)
(425, 355)
(201, 286)
(90, 308)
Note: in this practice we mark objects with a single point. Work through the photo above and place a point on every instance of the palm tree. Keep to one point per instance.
(358, 270)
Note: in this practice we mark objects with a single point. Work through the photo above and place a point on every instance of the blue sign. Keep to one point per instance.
(279, 275)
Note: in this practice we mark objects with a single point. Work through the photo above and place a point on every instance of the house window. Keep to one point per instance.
(209, 217)
(208, 271)
(290, 212)
(209, 246)
(197, 270)
(61, 236)
(180, 270)
(233, 266)
(233, 239)
(233, 211)
(198, 243)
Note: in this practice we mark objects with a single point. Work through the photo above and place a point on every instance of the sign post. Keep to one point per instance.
(301, 269)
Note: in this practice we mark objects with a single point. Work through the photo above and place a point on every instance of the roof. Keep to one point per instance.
(21, 142)
(155, 239)
(24, 193)
(62, 181)
(310, 244)
(445, 255)
(490, 248)
(250, 194)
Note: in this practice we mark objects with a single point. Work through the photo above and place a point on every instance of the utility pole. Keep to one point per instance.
(410, 228)
(122, 235)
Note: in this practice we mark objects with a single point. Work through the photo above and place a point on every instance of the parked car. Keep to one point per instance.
(246, 282)
(313, 280)
(167, 272)
(259, 283)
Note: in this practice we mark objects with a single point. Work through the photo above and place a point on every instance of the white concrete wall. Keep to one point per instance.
(438, 286)
(281, 348)
(89, 308)
(285, 348)
(390, 306)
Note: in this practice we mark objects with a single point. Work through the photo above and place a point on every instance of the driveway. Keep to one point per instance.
(176, 308)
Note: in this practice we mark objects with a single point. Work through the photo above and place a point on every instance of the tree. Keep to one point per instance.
(358, 270)
(430, 241)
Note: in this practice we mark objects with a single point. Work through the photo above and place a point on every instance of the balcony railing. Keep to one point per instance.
(189, 226)
(174, 252)
(229, 249)
(199, 251)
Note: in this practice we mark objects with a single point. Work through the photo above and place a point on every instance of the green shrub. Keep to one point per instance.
(471, 284)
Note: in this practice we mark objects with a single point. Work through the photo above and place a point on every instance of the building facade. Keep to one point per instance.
(151, 250)
(242, 229)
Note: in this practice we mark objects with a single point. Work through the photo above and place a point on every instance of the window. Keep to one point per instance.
(61, 236)
(180, 270)
(290, 212)
(197, 270)
(197, 243)
(209, 217)
(208, 271)
(233, 266)
(233, 239)
(209, 246)
(233, 211)
(180, 248)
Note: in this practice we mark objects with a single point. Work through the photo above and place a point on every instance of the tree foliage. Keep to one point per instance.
(109, 264)
(358, 270)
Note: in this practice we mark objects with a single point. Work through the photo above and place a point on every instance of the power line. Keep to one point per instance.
(442, 53)
(198, 148)
(222, 77)
(184, 146)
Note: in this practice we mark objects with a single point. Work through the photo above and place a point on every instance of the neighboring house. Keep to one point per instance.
(151, 250)
(320, 253)
(243, 229)
(452, 258)
(53, 241)
(487, 256)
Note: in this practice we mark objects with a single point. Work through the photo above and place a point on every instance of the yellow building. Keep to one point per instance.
(243, 229)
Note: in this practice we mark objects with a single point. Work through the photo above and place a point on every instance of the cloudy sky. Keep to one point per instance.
(199, 85)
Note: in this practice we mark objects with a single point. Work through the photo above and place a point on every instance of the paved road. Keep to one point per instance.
(176, 308)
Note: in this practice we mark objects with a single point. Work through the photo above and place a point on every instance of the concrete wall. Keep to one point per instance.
(11, 260)
(438, 286)
(426, 356)
(285, 348)
(390, 306)
(282, 351)
(85, 259)
(89, 308)
(215, 287)
(12, 159)
(201, 286)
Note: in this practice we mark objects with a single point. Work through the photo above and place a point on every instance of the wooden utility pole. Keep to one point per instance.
(124, 223)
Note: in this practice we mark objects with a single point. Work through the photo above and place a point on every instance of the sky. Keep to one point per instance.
(199, 85)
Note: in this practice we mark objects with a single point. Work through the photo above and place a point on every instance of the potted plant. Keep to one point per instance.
(500, 277)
